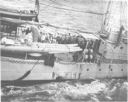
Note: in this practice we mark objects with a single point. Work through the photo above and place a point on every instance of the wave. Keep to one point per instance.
(97, 91)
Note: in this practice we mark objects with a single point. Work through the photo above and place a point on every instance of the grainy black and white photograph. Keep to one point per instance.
(63, 50)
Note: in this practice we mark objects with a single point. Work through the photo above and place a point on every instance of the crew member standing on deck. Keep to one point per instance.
(35, 33)
(28, 36)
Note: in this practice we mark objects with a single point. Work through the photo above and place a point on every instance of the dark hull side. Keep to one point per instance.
(33, 82)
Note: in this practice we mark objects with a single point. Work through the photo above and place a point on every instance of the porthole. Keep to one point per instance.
(99, 69)
(111, 69)
(109, 66)
(87, 69)
(121, 69)
(121, 47)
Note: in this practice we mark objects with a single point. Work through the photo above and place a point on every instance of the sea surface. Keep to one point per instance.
(70, 14)
(107, 90)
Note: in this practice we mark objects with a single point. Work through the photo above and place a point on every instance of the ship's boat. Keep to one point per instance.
(104, 55)
(21, 56)
(19, 9)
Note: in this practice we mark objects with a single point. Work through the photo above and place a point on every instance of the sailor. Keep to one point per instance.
(95, 49)
(52, 60)
(96, 46)
(63, 39)
(50, 38)
(35, 33)
(78, 56)
(73, 39)
(58, 39)
(91, 55)
(54, 40)
(85, 55)
(46, 37)
(81, 42)
(75, 56)
(90, 43)
(28, 37)
(43, 37)
(46, 60)
(49, 60)
(67, 39)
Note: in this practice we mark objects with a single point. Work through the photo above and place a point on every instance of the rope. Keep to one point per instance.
(29, 71)
(26, 73)
(73, 9)
(34, 65)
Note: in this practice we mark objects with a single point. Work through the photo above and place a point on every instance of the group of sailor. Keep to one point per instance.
(90, 48)
(29, 34)
(47, 38)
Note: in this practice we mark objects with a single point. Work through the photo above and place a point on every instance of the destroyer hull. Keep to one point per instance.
(13, 69)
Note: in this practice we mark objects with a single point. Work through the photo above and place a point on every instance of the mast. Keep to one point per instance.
(114, 19)
(37, 6)
(105, 18)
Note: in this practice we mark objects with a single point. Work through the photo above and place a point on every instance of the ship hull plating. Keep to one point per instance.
(12, 69)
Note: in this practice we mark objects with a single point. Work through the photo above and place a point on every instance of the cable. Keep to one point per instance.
(29, 71)
(76, 9)
(61, 4)
(46, 6)
(73, 10)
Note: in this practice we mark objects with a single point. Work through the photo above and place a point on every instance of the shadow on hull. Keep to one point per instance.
(33, 82)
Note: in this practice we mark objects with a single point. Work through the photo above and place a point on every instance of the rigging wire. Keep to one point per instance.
(67, 9)
(46, 6)
(106, 16)
(62, 4)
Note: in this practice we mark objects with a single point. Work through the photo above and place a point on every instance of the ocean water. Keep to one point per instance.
(96, 91)
(106, 90)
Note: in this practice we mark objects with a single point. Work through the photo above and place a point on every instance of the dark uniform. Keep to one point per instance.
(81, 42)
